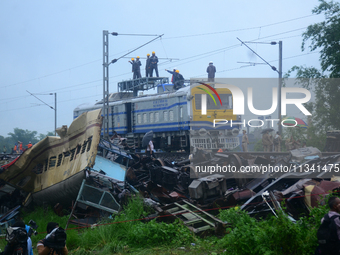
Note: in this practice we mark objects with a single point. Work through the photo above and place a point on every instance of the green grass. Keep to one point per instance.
(125, 235)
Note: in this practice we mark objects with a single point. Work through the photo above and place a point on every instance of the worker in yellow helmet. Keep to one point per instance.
(147, 66)
(178, 79)
(153, 64)
(137, 69)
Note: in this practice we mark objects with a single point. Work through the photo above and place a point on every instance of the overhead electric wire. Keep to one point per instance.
(236, 30)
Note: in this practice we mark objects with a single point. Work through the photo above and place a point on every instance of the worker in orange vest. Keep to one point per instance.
(20, 147)
(29, 145)
(15, 148)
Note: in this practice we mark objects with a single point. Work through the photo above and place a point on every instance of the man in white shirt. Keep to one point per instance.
(149, 149)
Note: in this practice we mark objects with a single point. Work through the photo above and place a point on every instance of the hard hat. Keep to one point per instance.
(137, 57)
(148, 54)
(177, 71)
(175, 68)
(210, 62)
(132, 59)
(153, 52)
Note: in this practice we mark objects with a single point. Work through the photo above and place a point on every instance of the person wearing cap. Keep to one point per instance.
(147, 66)
(153, 64)
(211, 70)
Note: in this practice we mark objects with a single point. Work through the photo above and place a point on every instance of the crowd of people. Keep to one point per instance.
(19, 241)
(17, 149)
(273, 143)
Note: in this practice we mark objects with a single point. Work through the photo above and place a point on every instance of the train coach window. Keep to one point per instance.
(227, 102)
(139, 119)
(156, 117)
(52, 162)
(151, 116)
(145, 118)
(181, 112)
(165, 116)
(171, 115)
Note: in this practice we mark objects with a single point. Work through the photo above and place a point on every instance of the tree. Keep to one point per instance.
(325, 36)
(24, 136)
(42, 136)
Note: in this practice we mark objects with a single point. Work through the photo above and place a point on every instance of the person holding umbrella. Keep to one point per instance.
(147, 142)
(149, 149)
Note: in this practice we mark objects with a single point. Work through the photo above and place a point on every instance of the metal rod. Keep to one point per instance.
(55, 114)
(280, 86)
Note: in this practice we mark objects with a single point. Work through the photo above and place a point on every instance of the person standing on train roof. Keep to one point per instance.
(211, 70)
(153, 64)
(137, 68)
(147, 66)
(132, 62)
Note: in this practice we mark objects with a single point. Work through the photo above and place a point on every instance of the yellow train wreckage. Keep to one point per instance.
(81, 171)
(64, 169)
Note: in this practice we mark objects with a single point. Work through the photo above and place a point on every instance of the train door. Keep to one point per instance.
(128, 117)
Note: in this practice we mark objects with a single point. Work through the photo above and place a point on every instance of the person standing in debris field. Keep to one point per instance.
(277, 142)
(328, 233)
(266, 142)
(149, 149)
(147, 66)
(153, 64)
(211, 70)
(4, 150)
(137, 68)
(245, 141)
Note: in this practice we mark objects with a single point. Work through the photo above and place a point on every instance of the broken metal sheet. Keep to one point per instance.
(299, 155)
(196, 219)
(112, 169)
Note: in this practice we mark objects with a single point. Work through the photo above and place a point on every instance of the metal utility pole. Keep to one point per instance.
(55, 114)
(106, 63)
(106, 83)
(280, 86)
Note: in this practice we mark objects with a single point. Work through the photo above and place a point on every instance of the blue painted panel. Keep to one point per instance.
(111, 169)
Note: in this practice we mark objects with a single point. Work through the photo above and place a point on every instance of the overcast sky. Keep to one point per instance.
(57, 47)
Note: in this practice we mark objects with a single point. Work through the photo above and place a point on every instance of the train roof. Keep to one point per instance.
(119, 97)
